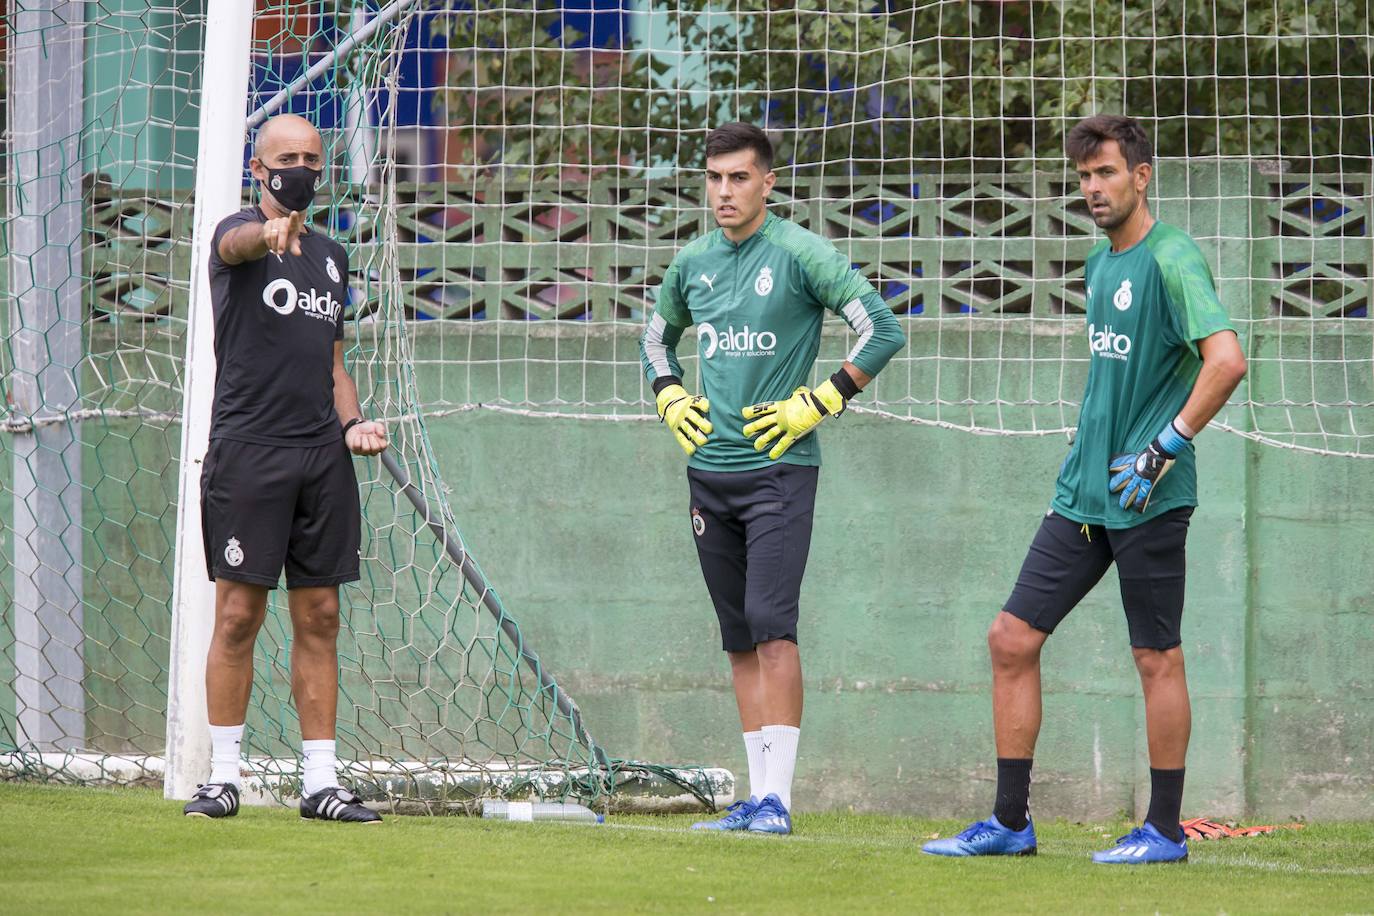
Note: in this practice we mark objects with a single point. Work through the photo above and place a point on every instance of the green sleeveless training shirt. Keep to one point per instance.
(758, 307)
(1148, 306)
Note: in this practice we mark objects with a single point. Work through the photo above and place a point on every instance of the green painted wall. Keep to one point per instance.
(583, 527)
(142, 88)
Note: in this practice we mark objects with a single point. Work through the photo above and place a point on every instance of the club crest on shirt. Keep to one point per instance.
(698, 523)
(763, 283)
(233, 554)
(331, 269)
(1122, 297)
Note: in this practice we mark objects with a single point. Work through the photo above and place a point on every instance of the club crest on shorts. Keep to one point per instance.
(1122, 297)
(331, 269)
(233, 554)
(698, 523)
(763, 283)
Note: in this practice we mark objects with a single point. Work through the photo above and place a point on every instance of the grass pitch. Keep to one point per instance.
(128, 851)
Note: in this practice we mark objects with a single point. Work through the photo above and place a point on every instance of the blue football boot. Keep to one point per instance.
(1142, 846)
(986, 838)
(771, 817)
(737, 817)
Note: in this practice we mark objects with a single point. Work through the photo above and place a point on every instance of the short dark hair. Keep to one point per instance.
(1088, 135)
(737, 135)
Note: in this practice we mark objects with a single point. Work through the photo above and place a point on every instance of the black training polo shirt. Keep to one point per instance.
(276, 321)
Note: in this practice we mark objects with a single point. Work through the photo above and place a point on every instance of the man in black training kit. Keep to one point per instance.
(278, 484)
(1163, 361)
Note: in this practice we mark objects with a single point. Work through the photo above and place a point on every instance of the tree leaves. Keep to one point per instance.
(868, 87)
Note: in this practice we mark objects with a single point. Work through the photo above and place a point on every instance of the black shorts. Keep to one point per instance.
(1065, 561)
(753, 532)
(265, 506)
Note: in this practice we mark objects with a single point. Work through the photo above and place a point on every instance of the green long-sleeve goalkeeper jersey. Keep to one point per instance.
(758, 306)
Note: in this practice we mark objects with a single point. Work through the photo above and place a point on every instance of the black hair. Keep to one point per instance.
(737, 135)
(1088, 135)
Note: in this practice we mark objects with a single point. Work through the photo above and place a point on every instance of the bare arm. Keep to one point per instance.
(1223, 366)
(368, 437)
(252, 241)
(860, 377)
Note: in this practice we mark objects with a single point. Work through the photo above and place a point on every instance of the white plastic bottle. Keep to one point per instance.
(539, 811)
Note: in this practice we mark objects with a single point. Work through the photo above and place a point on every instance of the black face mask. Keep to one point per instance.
(294, 188)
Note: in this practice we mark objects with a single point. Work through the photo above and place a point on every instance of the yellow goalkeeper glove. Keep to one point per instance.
(685, 416)
(793, 418)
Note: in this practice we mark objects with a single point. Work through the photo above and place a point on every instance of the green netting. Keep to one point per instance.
(511, 184)
(443, 697)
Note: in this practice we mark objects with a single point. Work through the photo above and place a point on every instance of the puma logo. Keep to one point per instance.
(767, 747)
(710, 281)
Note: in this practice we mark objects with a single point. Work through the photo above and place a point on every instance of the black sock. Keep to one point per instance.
(1166, 800)
(1013, 792)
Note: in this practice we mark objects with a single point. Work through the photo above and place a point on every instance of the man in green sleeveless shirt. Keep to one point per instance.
(1164, 359)
(757, 289)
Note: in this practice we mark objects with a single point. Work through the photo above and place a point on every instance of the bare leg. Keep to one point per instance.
(1016, 708)
(780, 671)
(240, 609)
(1168, 715)
(748, 680)
(315, 659)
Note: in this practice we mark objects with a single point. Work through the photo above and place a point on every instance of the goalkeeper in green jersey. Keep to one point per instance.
(1163, 360)
(757, 289)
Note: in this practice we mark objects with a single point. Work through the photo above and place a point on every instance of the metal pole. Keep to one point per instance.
(339, 52)
(48, 345)
(478, 581)
(219, 182)
(358, 131)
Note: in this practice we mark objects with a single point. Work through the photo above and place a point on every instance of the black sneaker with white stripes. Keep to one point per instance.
(337, 804)
(216, 799)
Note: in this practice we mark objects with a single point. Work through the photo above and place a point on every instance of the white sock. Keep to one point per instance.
(225, 753)
(319, 763)
(780, 759)
(753, 747)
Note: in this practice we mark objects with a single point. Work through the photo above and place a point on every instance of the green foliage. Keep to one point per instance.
(865, 86)
(521, 100)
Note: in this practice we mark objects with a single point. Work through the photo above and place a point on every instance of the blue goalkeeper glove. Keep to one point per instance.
(789, 420)
(685, 415)
(1136, 474)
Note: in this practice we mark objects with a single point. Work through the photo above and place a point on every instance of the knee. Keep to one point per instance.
(237, 623)
(318, 618)
(1158, 664)
(1013, 643)
(776, 652)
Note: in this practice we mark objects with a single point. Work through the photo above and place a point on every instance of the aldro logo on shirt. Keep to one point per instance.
(731, 342)
(282, 297)
(1108, 343)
